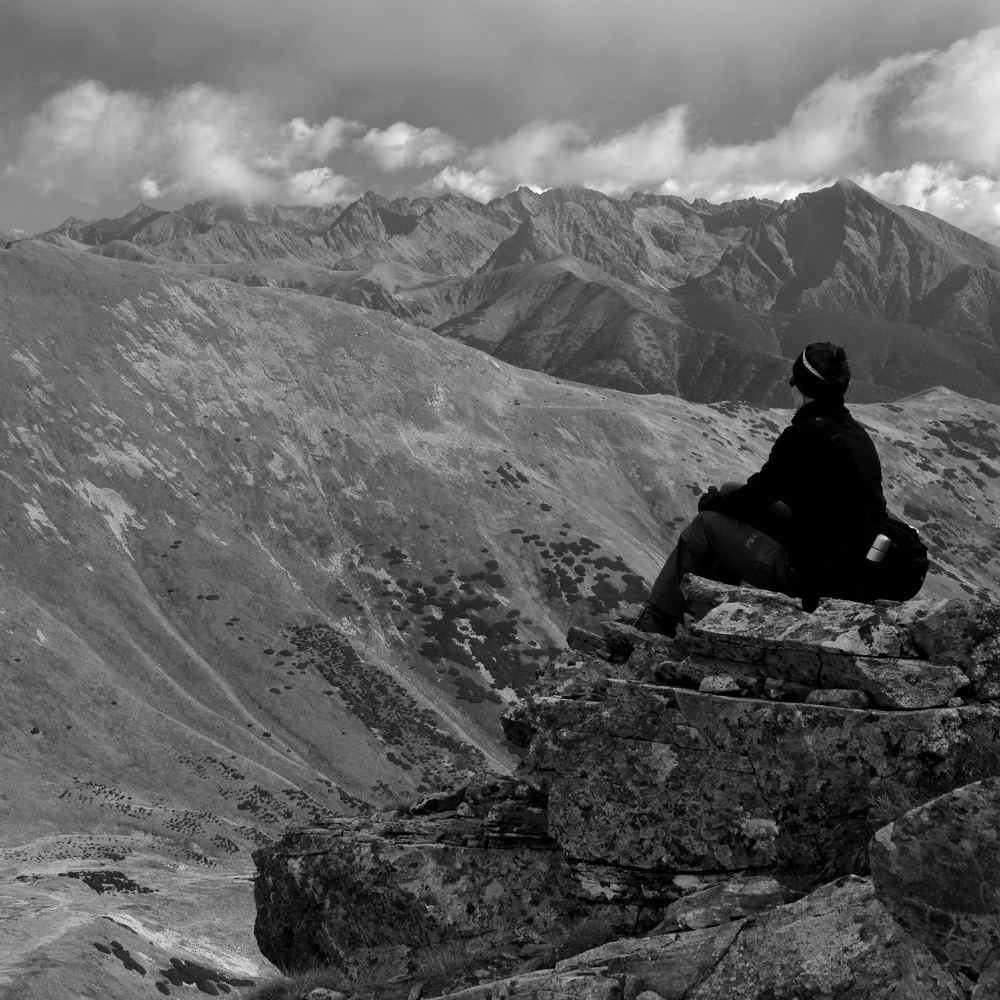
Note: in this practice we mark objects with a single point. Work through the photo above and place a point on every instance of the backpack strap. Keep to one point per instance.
(810, 601)
(829, 428)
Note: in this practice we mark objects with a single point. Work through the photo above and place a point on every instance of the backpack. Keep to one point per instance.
(900, 574)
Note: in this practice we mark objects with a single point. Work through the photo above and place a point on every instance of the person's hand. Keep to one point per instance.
(706, 498)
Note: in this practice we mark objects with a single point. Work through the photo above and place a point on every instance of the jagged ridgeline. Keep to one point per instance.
(269, 558)
(645, 294)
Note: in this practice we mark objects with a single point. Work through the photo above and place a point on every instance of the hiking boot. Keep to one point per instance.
(656, 622)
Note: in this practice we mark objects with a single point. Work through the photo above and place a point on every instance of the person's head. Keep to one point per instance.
(821, 371)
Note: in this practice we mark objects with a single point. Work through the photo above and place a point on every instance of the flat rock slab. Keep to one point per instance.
(723, 903)
(702, 595)
(546, 985)
(839, 627)
(895, 683)
(718, 667)
(671, 780)
(837, 942)
(937, 869)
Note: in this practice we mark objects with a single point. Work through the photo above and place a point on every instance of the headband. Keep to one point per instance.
(810, 368)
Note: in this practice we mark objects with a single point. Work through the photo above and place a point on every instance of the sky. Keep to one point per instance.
(105, 103)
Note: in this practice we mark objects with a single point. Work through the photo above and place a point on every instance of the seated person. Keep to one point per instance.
(798, 525)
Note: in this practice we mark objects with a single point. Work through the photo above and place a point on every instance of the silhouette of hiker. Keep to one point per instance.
(797, 526)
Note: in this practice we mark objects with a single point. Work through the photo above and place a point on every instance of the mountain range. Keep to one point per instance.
(646, 294)
(274, 549)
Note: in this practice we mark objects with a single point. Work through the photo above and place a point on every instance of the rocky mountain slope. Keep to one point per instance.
(266, 555)
(646, 294)
(843, 248)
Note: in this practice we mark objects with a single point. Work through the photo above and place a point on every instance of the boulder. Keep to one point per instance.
(329, 893)
(839, 941)
(959, 632)
(654, 779)
(937, 869)
(702, 595)
(769, 648)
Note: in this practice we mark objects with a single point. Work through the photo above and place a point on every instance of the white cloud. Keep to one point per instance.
(192, 142)
(832, 131)
(920, 129)
(403, 145)
(318, 186)
(969, 202)
(953, 113)
(481, 185)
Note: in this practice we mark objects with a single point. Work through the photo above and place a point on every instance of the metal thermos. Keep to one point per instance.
(879, 548)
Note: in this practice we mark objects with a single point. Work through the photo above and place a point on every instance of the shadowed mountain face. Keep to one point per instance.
(844, 249)
(648, 294)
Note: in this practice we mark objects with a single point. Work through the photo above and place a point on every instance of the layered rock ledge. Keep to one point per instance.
(676, 781)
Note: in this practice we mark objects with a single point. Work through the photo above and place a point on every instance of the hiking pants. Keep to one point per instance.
(722, 548)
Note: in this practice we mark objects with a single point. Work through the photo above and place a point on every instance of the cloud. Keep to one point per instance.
(971, 202)
(477, 69)
(191, 142)
(953, 113)
(402, 145)
(482, 185)
(920, 126)
(319, 186)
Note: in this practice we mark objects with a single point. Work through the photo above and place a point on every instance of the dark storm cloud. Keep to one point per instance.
(482, 69)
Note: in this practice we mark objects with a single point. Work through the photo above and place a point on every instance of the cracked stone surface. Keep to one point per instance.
(937, 869)
(965, 633)
(669, 779)
(839, 941)
(329, 891)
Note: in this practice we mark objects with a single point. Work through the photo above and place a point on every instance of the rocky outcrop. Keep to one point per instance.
(658, 780)
(668, 782)
(478, 861)
(752, 739)
(937, 869)
(926, 926)
(964, 633)
(839, 941)
(843, 248)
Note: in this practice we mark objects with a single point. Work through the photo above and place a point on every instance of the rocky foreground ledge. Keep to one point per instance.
(687, 792)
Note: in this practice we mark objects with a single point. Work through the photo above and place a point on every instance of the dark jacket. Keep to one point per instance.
(834, 491)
